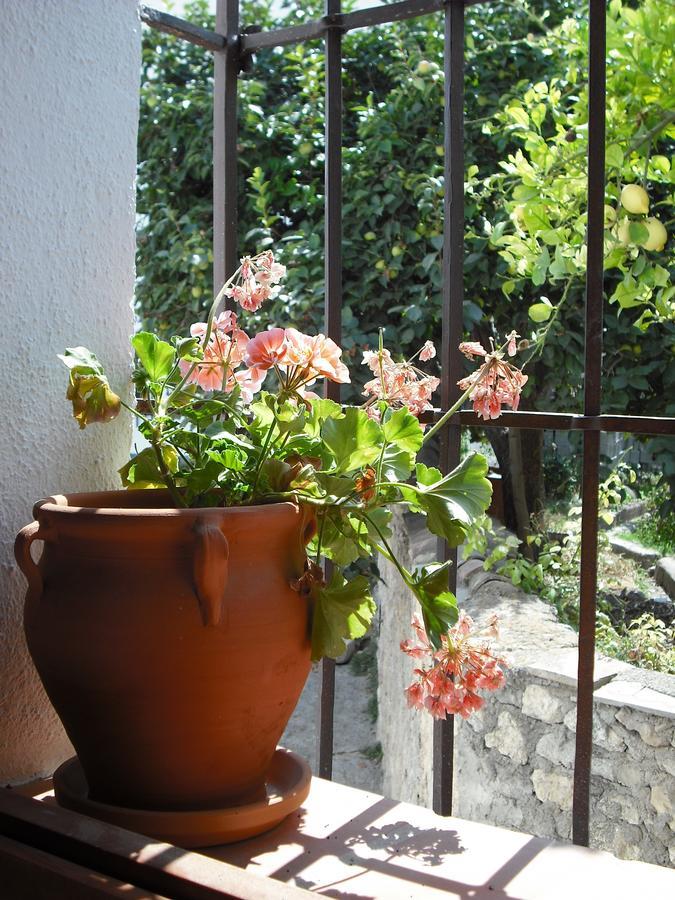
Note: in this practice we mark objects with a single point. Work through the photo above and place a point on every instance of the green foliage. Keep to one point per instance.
(342, 611)
(657, 527)
(209, 444)
(545, 179)
(551, 570)
(525, 142)
(645, 642)
(353, 440)
(451, 502)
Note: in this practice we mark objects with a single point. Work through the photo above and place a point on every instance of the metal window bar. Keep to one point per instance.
(231, 47)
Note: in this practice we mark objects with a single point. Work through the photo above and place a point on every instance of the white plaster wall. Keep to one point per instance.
(69, 81)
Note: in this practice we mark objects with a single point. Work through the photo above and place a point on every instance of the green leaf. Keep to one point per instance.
(155, 356)
(335, 485)
(142, 470)
(404, 430)
(231, 459)
(536, 218)
(453, 502)
(540, 312)
(262, 410)
(518, 115)
(638, 232)
(614, 156)
(541, 267)
(342, 611)
(439, 613)
(353, 441)
(397, 464)
(341, 540)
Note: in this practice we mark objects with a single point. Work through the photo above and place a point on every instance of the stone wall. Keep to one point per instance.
(514, 759)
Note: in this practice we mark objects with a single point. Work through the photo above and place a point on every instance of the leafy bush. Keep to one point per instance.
(525, 143)
(645, 642)
(656, 530)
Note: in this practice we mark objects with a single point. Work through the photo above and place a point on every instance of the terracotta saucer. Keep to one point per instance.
(286, 785)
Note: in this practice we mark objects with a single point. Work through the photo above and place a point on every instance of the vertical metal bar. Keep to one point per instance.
(452, 330)
(592, 384)
(226, 67)
(333, 312)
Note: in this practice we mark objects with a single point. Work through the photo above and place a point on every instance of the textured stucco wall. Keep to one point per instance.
(69, 71)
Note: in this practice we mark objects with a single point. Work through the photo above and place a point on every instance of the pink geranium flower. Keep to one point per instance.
(471, 349)
(326, 360)
(255, 281)
(249, 381)
(266, 349)
(427, 352)
(496, 383)
(449, 682)
(399, 384)
(225, 350)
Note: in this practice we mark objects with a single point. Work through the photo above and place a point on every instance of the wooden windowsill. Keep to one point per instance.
(352, 844)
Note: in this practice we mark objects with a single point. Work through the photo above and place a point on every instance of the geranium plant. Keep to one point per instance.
(232, 420)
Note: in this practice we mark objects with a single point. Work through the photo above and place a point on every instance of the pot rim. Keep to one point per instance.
(85, 504)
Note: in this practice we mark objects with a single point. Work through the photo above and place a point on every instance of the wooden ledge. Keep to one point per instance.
(349, 844)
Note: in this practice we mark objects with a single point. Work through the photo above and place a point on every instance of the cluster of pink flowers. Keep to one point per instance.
(256, 280)
(400, 384)
(496, 382)
(224, 352)
(449, 683)
(298, 358)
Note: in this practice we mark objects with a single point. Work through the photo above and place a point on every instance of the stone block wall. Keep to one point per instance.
(514, 759)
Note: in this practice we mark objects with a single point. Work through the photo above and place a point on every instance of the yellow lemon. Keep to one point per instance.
(657, 234)
(634, 198)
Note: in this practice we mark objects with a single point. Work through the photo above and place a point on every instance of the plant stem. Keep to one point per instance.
(319, 540)
(444, 418)
(405, 575)
(263, 454)
(207, 337)
(136, 413)
(166, 475)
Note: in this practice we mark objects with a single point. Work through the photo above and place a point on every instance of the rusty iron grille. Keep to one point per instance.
(233, 46)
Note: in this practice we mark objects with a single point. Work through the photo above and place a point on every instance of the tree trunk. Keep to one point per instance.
(499, 439)
(519, 454)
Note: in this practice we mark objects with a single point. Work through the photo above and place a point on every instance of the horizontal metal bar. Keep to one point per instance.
(561, 422)
(360, 18)
(390, 12)
(180, 28)
(295, 34)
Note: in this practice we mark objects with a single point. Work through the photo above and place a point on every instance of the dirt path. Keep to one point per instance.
(355, 761)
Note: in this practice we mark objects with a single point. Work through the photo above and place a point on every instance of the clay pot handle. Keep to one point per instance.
(209, 571)
(22, 545)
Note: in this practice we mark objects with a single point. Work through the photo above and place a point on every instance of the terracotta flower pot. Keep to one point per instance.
(170, 642)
